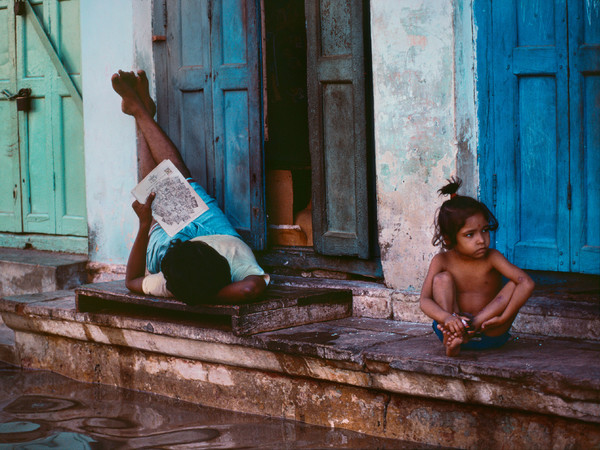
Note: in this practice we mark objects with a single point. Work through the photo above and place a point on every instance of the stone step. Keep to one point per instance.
(281, 307)
(26, 271)
(563, 305)
(381, 377)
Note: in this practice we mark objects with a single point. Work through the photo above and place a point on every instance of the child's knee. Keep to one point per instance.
(443, 280)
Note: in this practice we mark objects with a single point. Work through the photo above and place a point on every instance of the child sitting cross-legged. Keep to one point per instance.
(463, 291)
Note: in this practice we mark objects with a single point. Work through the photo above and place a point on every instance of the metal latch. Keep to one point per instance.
(19, 8)
(23, 98)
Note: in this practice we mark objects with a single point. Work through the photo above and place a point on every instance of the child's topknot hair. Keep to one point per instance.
(195, 272)
(454, 212)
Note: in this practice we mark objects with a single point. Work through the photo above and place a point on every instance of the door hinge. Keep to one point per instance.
(494, 189)
(569, 196)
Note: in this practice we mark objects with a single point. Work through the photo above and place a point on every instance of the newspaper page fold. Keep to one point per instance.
(176, 203)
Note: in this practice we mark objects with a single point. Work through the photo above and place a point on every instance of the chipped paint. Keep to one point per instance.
(413, 82)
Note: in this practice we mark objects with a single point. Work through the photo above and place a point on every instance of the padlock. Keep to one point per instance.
(19, 8)
(23, 103)
(24, 100)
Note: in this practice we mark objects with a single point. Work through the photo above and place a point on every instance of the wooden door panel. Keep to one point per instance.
(584, 86)
(237, 119)
(337, 126)
(537, 171)
(68, 164)
(531, 132)
(67, 124)
(10, 186)
(214, 104)
(37, 169)
(339, 160)
(35, 129)
(190, 100)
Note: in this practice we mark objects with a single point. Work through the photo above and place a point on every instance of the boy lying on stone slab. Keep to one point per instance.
(206, 262)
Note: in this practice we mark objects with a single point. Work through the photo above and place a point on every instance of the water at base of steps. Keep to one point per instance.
(43, 409)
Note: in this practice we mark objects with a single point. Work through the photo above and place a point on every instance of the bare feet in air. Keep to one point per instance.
(133, 91)
(142, 87)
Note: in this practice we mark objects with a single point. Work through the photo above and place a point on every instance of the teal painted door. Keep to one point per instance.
(42, 188)
(10, 186)
(541, 161)
(211, 107)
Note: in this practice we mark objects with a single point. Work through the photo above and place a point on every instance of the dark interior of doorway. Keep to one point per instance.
(287, 152)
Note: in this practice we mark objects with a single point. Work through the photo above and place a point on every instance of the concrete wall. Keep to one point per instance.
(415, 140)
(109, 30)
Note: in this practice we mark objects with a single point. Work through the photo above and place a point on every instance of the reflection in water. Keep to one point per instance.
(41, 409)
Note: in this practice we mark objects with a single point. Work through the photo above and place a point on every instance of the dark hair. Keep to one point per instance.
(194, 271)
(453, 214)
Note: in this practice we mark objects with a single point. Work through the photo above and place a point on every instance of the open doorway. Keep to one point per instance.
(287, 153)
(302, 69)
(320, 205)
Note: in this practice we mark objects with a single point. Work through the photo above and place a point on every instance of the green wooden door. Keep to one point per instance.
(10, 187)
(43, 190)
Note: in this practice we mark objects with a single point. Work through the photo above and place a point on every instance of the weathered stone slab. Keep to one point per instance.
(340, 340)
(281, 306)
(30, 271)
(536, 374)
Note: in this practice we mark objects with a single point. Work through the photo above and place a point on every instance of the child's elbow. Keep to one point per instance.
(528, 284)
(253, 288)
(133, 285)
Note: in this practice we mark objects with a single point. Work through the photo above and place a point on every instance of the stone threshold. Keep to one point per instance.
(380, 377)
(572, 313)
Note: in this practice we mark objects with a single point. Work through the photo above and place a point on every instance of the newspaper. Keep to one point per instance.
(176, 203)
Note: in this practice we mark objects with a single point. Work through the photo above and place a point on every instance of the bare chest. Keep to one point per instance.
(474, 277)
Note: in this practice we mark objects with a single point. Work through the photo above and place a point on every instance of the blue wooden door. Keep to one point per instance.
(541, 172)
(211, 107)
(584, 112)
(44, 166)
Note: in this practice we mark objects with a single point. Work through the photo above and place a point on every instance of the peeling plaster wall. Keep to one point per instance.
(466, 94)
(107, 44)
(415, 143)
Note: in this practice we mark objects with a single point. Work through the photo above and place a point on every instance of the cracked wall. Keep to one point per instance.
(415, 140)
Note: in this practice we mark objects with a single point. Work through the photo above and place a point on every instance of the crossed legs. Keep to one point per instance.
(444, 294)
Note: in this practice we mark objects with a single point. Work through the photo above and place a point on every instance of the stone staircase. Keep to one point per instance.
(33, 271)
(381, 372)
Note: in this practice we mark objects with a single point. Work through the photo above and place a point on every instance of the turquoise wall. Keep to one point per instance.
(109, 136)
